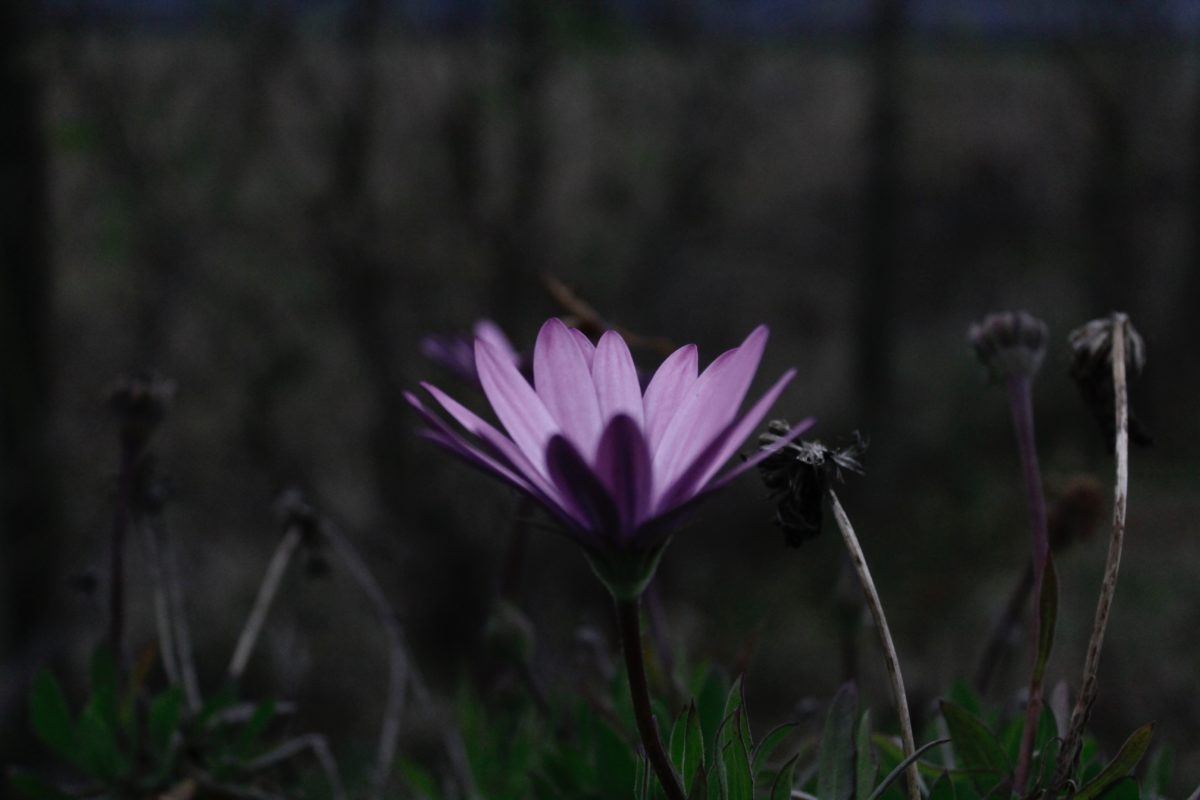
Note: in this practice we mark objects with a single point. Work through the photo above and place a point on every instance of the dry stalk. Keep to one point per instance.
(1087, 689)
(859, 560)
(266, 596)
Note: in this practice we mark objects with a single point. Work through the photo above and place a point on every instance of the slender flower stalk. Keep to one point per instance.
(629, 622)
(859, 560)
(1087, 342)
(1020, 393)
(1012, 345)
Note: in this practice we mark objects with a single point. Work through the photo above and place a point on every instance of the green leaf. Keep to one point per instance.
(739, 783)
(963, 695)
(781, 789)
(1126, 759)
(1124, 789)
(99, 752)
(255, 727)
(766, 748)
(710, 697)
(676, 740)
(165, 712)
(1047, 762)
(32, 787)
(866, 767)
(975, 747)
(835, 775)
(1047, 617)
(735, 712)
(51, 716)
(942, 788)
(693, 747)
(699, 789)
(104, 687)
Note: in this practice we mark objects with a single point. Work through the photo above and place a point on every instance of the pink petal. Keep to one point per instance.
(581, 488)
(666, 391)
(709, 406)
(518, 407)
(623, 466)
(500, 443)
(564, 383)
(616, 379)
(491, 333)
(713, 457)
(585, 345)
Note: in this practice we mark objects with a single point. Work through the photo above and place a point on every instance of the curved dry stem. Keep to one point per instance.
(1087, 690)
(890, 658)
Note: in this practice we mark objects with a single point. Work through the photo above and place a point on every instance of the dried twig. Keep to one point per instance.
(1087, 690)
(262, 604)
(320, 749)
(399, 665)
(178, 614)
(890, 658)
(167, 648)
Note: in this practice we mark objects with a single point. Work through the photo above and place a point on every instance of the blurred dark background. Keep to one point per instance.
(271, 202)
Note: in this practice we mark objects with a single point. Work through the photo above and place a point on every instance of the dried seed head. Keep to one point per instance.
(1009, 343)
(140, 402)
(797, 476)
(1091, 368)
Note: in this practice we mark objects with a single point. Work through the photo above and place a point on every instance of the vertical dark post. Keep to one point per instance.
(28, 543)
(882, 218)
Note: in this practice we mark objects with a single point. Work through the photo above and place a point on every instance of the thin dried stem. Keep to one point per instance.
(1087, 690)
(399, 665)
(262, 604)
(121, 512)
(182, 631)
(320, 749)
(162, 605)
(890, 658)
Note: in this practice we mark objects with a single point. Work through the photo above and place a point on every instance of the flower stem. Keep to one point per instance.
(629, 621)
(1020, 395)
(1087, 690)
(121, 513)
(890, 658)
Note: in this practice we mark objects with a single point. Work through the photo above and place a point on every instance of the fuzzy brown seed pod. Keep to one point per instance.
(1009, 343)
(1091, 368)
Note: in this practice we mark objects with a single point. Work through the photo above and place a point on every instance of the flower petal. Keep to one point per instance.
(623, 466)
(709, 406)
(666, 391)
(515, 402)
(616, 379)
(512, 455)
(491, 333)
(713, 457)
(582, 489)
(564, 383)
(585, 345)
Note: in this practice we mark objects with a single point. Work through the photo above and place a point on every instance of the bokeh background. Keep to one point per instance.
(272, 202)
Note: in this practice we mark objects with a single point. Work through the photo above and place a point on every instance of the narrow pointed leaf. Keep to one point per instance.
(942, 788)
(976, 747)
(699, 790)
(865, 764)
(1126, 759)
(769, 744)
(165, 712)
(835, 776)
(51, 716)
(739, 782)
(781, 789)
(1047, 617)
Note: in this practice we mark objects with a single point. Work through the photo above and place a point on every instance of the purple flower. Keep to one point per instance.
(618, 468)
(456, 352)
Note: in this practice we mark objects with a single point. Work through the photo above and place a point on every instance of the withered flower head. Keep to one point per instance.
(1009, 343)
(797, 476)
(1091, 368)
(140, 402)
